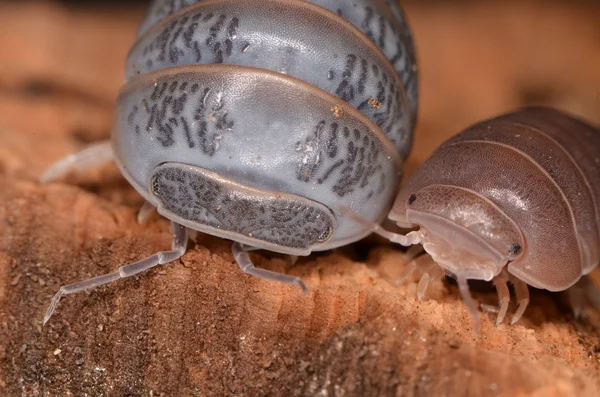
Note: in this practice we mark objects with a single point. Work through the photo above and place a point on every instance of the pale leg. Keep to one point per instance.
(411, 239)
(577, 298)
(291, 260)
(463, 287)
(178, 247)
(408, 270)
(432, 272)
(413, 252)
(411, 257)
(92, 156)
(240, 254)
(145, 212)
(522, 294)
(500, 282)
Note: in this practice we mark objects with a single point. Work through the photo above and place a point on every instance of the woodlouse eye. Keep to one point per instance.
(412, 199)
(514, 249)
(325, 235)
(155, 186)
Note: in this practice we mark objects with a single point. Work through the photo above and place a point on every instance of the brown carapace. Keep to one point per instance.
(515, 198)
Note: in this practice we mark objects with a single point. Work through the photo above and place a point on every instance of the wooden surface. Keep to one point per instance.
(198, 327)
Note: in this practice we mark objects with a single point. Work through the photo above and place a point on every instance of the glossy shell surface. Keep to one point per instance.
(269, 100)
(528, 179)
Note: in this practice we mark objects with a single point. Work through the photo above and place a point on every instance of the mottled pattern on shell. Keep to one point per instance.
(203, 197)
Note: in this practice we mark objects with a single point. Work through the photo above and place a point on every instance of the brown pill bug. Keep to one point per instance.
(254, 120)
(515, 198)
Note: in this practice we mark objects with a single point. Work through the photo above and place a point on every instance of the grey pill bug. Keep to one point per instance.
(256, 120)
(512, 199)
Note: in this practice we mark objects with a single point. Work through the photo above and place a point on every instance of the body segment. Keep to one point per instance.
(516, 193)
(382, 21)
(265, 35)
(246, 126)
(255, 120)
(242, 90)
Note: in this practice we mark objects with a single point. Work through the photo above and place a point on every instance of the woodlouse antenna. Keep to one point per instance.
(178, 248)
(92, 156)
(406, 240)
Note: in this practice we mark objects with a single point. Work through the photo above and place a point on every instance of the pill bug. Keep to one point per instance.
(253, 120)
(514, 198)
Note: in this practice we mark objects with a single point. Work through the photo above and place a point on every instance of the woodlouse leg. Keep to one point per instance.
(92, 156)
(500, 282)
(145, 212)
(432, 272)
(406, 272)
(178, 247)
(291, 260)
(463, 287)
(411, 239)
(240, 254)
(412, 252)
(412, 257)
(414, 262)
(577, 298)
(522, 294)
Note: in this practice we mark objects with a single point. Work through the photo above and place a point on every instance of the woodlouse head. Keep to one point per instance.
(465, 233)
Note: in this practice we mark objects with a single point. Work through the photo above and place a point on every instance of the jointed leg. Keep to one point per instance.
(240, 254)
(145, 212)
(432, 272)
(411, 240)
(412, 259)
(178, 247)
(407, 272)
(463, 287)
(522, 294)
(89, 157)
(291, 260)
(413, 252)
(500, 282)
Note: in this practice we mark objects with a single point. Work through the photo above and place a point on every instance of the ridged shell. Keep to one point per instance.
(540, 167)
(290, 97)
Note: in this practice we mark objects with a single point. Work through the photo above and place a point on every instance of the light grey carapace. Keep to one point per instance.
(515, 198)
(238, 121)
